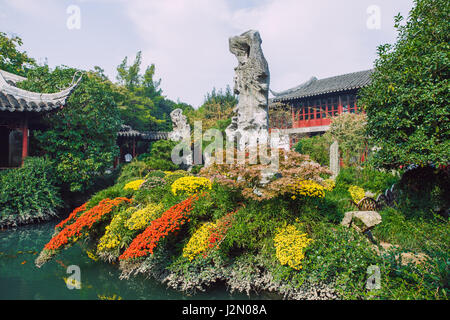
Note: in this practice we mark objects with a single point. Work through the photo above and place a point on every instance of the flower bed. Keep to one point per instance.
(140, 219)
(73, 232)
(170, 221)
(71, 218)
(199, 242)
(357, 193)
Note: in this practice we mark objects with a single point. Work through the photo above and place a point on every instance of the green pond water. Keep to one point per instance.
(21, 279)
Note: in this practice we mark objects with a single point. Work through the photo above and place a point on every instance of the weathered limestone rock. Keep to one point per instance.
(334, 159)
(181, 129)
(369, 219)
(182, 133)
(251, 83)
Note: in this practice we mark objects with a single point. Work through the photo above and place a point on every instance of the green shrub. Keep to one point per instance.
(29, 191)
(428, 280)
(133, 170)
(255, 225)
(367, 178)
(160, 158)
(340, 255)
(424, 191)
(317, 147)
(156, 173)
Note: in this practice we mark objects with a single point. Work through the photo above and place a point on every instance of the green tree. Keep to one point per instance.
(143, 106)
(317, 147)
(407, 102)
(216, 110)
(11, 59)
(349, 130)
(81, 137)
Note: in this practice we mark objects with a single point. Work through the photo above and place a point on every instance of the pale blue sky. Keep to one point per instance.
(188, 39)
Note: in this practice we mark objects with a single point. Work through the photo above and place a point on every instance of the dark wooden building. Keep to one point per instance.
(20, 112)
(128, 139)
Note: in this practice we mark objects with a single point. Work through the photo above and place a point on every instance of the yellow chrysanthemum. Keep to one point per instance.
(135, 185)
(308, 188)
(329, 184)
(190, 185)
(199, 241)
(112, 238)
(143, 217)
(290, 244)
(357, 193)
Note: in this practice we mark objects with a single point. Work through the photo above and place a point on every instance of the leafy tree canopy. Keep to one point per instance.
(81, 137)
(143, 106)
(216, 111)
(407, 101)
(11, 59)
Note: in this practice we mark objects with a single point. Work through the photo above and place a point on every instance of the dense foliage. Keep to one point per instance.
(81, 137)
(317, 147)
(11, 58)
(29, 193)
(216, 110)
(142, 105)
(407, 100)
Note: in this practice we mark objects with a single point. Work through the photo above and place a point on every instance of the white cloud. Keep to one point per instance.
(188, 40)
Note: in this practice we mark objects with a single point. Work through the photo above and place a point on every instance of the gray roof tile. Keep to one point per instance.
(315, 87)
(14, 99)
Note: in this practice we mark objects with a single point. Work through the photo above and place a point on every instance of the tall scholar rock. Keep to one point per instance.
(250, 123)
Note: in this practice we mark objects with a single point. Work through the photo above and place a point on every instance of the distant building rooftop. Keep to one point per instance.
(315, 87)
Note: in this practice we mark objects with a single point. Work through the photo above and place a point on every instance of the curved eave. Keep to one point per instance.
(14, 99)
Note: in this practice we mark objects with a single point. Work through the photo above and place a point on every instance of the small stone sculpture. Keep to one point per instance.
(181, 129)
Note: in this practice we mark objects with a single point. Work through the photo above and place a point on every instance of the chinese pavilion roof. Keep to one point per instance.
(14, 99)
(315, 87)
(128, 132)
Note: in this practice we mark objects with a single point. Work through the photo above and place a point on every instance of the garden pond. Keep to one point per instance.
(21, 279)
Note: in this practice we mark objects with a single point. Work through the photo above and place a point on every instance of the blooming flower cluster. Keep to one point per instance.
(170, 221)
(71, 218)
(290, 244)
(307, 188)
(140, 219)
(190, 185)
(199, 242)
(329, 184)
(219, 231)
(357, 193)
(71, 233)
(79, 228)
(135, 185)
(114, 231)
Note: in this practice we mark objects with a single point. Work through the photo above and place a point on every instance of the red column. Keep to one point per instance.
(134, 148)
(24, 139)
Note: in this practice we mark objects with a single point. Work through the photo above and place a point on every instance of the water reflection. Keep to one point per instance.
(21, 279)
